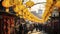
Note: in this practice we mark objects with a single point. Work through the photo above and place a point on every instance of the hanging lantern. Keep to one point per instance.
(57, 4)
(25, 10)
(6, 4)
(16, 9)
(21, 7)
(29, 3)
(20, 13)
(17, 2)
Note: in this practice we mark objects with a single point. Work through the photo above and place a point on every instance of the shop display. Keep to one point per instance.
(7, 23)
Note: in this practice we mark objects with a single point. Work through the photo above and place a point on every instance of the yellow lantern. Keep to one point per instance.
(25, 10)
(29, 3)
(49, 1)
(17, 2)
(57, 4)
(20, 13)
(16, 9)
(21, 7)
(6, 4)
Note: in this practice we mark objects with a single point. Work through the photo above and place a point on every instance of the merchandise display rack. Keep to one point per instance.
(8, 22)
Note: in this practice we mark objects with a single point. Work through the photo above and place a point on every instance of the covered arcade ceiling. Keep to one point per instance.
(32, 10)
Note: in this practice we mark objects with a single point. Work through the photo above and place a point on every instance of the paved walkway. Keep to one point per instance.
(36, 32)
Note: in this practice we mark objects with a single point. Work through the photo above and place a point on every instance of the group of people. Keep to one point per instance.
(25, 28)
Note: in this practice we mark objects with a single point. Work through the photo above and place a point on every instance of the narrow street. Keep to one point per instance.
(36, 32)
(29, 16)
